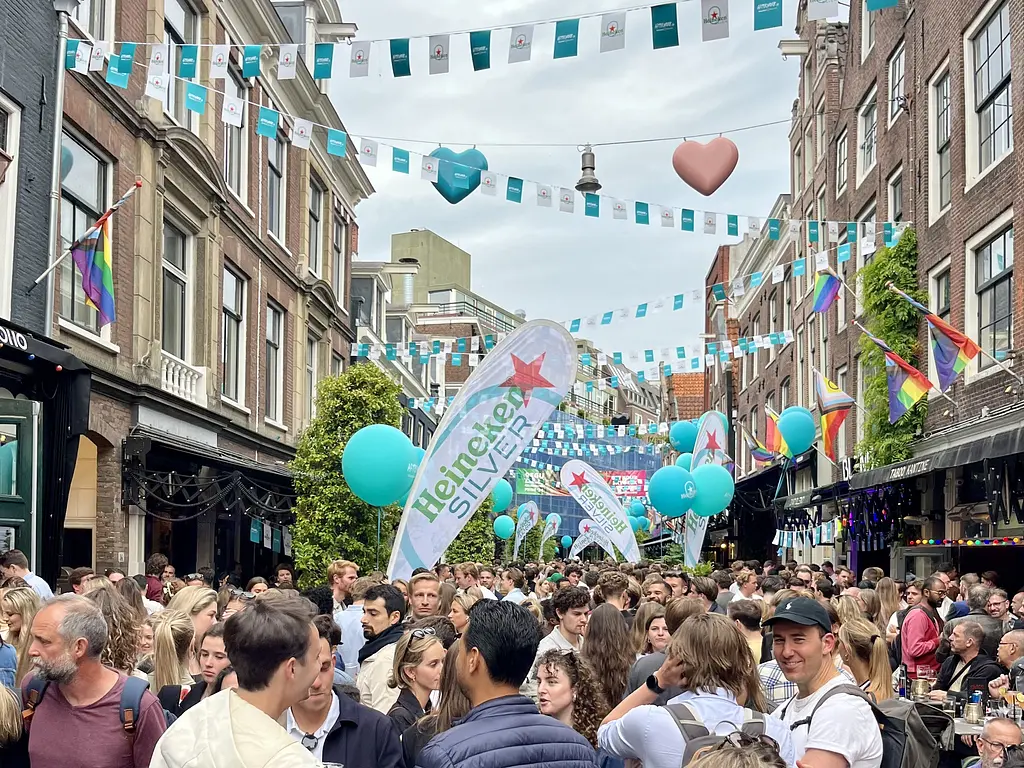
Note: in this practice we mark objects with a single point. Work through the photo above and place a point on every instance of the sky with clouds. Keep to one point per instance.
(551, 264)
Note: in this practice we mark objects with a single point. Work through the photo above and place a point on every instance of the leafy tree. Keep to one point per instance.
(475, 542)
(895, 322)
(531, 545)
(331, 522)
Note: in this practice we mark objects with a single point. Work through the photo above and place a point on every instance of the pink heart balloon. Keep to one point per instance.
(705, 167)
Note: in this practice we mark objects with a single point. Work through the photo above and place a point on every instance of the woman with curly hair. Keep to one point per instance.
(607, 649)
(122, 648)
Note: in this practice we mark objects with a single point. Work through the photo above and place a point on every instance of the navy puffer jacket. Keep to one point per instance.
(508, 732)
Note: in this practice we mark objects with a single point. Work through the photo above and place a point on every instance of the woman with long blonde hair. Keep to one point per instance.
(173, 636)
(889, 598)
(419, 660)
(873, 608)
(847, 608)
(454, 706)
(866, 655)
(199, 604)
(13, 737)
(459, 613)
(20, 606)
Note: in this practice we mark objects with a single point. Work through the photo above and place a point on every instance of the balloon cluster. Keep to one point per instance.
(705, 490)
(501, 497)
(638, 517)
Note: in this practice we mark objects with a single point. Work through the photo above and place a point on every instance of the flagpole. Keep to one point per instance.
(89, 233)
(826, 457)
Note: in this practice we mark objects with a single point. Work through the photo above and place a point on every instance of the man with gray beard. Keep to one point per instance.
(75, 703)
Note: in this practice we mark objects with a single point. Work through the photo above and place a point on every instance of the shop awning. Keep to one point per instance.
(211, 453)
(1006, 443)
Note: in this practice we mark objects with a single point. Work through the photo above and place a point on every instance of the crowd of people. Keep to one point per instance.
(762, 665)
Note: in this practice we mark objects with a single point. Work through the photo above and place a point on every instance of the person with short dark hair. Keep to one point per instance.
(705, 589)
(571, 607)
(503, 729)
(512, 585)
(285, 572)
(746, 615)
(79, 577)
(383, 613)
(967, 668)
(155, 566)
(573, 573)
(13, 563)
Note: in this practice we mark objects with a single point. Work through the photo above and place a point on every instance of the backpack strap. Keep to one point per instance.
(131, 705)
(688, 722)
(34, 693)
(754, 723)
(852, 690)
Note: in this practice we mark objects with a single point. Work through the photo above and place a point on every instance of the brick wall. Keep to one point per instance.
(109, 422)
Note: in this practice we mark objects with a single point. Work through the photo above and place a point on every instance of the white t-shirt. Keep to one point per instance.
(844, 725)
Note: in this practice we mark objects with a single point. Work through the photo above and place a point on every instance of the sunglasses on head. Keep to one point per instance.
(419, 634)
(194, 577)
(243, 595)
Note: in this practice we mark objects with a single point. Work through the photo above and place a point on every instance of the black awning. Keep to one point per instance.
(1006, 443)
(211, 453)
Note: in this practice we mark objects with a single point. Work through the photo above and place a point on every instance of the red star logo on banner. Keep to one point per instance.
(713, 442)
(527, 377)
(586, 528)
(579, 480)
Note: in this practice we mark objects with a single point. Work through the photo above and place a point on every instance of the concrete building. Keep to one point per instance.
(231, 274)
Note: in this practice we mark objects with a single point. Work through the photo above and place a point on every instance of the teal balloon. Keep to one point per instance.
(685, 460)
(501, 495)
(566, 541)
(645, 524)
(458, 174)
(637, 509)
(671, 491)
(634, 523)
(379, 464)
(683, 436)
(420, 453)
(504, 527)
(715, 489)
(67, 161)
(797, 427)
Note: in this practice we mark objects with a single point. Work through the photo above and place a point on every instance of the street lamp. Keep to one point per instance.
(588, 183)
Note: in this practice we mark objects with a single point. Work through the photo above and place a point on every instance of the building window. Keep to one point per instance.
(994, 286)
(942, 169)
(896, 195)
(312, 347)
(798, 170)
(811, 339)
(867, 122)
(179, 30)
(867, 30)
(866, 235)
(233, 325)
(91, 17)
(808, 159)
(896, 75)
(823, 357)
(338, 247)
(277, 159)
(800, 365)
(841, 163)
(788, 316)
(236, 141)
(841, 377)
(841, 297)
(83, 200)
(175, 315)
(275, 364)
(939, 301)
(993, 100)
(773, 321)
(819, 128)
(757, 350)
(784, 394)
(337, 364)
(316, 214)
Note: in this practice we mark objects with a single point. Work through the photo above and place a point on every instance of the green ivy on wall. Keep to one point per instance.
(895, 322)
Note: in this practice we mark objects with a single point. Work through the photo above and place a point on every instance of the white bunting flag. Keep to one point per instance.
(668, 217)
(520, 45)
(709, 360)
(818, 10)
(359, 63)
(156, 87)
(219, 61)
(566, 201)
(286, 542)
(544, 196)
(368, 153)
(428, 169)
(867, 239)
(232, 110)
(619, 210)
(99, 54)
(821, 261)
(789, 335)
(439, 47)
(778, 274)
(754, 227)
(286, 59)
(301, 133)
(738, 289)
(710, 223)
(714, 20)
(83, 58)
(794, 228)
(489, 183)
(613, 31)
(833, 231)
(157, 60)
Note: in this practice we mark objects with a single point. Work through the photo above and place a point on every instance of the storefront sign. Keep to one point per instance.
(12, 338)
(909, 470)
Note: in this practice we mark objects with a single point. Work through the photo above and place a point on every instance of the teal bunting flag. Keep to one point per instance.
(255, 531)
(480, 49)
(687, 220)
(276, 540)
(851, 232)
(337, 142)
(489, 342)
(677, 302)
(456, 359)
(617, 358)
(877, 5)
(606, 318)
(712, 348)
(614, 382)
(567, 34)
(680, 352)
(733, 225)
(401, 66)
(574, 326)
(514, 191)
(461, 345)
(799, 267)
(812, 231)
(664, 26)
(195, 98)
(585, 359)
(773, 229)
(189, 61)
(755, 279)
(641, 311)
(890, 239)
(648, 355)
(390, 352)
(767, 14)
(642, 213)
(114, 76)
(251, 60)
(126, 58)
(718, 291)
(323, 61)
(267, 124)
(843, 253)
(71, 54)
(400, 160)
(592, 205)
(436, 346)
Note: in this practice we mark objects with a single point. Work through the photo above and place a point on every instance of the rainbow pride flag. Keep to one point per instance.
(826, 288)
(907, 385)
(92, 257)
(758, 452)
(833, 407)
(773, 439)
(952, 350)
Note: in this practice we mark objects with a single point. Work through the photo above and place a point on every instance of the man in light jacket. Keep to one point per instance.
(274, 648)
(512, 584)
(383, 612)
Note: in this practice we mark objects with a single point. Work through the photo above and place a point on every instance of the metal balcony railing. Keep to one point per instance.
(493, 321)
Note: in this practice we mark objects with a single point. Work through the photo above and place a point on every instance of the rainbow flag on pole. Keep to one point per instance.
(952, 349)
(833, 407)
(92, 257)
(773, 439)
(826, 288)
(907, 385)
(758, 452)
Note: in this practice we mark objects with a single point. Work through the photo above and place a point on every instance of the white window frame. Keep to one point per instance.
(890, 189)
(798, 170)
(897, 83)
(312, 371)
(9, 205)
(812, 349)
(861, 393)
(972, 122)
(974, 371)
(773, 321)
(241, 318)
(867, 136)
(339, 251)
(944, 267)
(278, 229)
(105, 16)
(757, 352)
(869, 213)
(808, 251)
(186, 277)
(315, 232)
(940, 110)
(819, 131)
(841, 381)
(276, 319)
(173, 38)
(236, 81)
(842, 163)
(867, 31)
(800, 357)
(809, 157)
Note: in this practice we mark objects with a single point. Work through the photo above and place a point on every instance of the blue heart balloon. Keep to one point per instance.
(797, 427)
(501, 495)
(685, 461)
(458, 174)
(671, 491)
(504, 527)
(683, 436)
(379, 464)
(715, 489)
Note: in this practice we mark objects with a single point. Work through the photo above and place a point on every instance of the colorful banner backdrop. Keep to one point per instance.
(527, 520)
(712, 434)
(491, 421)
(597, 499)
(540, 482)
(592, 533)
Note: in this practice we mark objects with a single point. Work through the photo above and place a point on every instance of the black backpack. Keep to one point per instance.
(698, 737)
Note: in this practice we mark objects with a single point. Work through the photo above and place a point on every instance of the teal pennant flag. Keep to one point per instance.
(641, 310)
(267, 124)
(251, 60)
(480, 49)
(189, 61)
(733, 225)
(71, 54)
(255, 531)
(567, 34)
(799, 267)
(773, 229)
(812, 231)
(843, 253)
(677, 302)
(514, 190)
(664, 26)
(606, 318)
(877, 5)
(400, 160)
(323, 61)
(592, 205)
(851, 232)
(400, 64)
(195, 98)
(767, 14)
(687, 220)
(337, 142)
(642, 213)
(126, 58)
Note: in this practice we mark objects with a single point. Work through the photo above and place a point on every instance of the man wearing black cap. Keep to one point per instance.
(829, 731)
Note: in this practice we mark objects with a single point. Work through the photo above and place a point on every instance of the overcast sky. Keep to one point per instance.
(555, 265)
